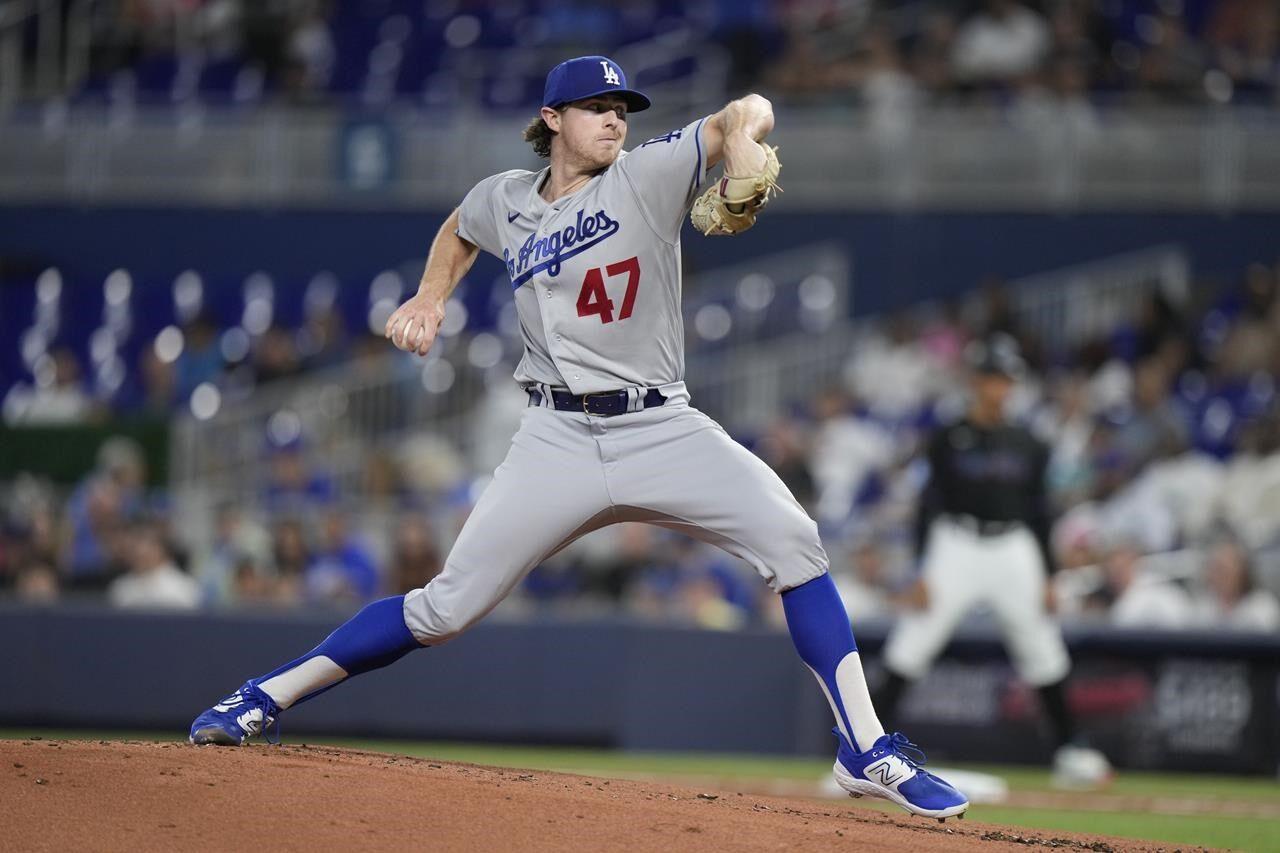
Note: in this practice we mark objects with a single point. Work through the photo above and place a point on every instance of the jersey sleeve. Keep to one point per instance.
(478, 218)
(665, 174)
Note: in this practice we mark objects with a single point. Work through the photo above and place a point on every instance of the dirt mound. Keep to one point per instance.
(115, 795)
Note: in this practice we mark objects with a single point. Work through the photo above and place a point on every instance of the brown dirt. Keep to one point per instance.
(115, 795)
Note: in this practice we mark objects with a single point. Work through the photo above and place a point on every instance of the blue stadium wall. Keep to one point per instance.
(898, 258)
(1203, 703)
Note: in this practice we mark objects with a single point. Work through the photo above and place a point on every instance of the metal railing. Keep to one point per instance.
(378, 402)
(1068, 306)
(464, 414)
(976, 158)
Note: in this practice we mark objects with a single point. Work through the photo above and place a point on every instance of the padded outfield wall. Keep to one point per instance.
(1152, 701)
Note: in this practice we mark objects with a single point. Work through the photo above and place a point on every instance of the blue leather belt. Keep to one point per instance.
(605, 404)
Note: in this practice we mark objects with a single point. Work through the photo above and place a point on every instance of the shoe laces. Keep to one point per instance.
(901, 746)
(264, 704)
(269, 720)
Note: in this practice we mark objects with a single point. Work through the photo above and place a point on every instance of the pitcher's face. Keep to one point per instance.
(591, 131)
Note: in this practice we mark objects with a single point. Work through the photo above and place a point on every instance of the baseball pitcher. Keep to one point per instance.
(591, 245)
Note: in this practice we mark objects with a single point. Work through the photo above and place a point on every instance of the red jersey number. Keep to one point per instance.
(594, 299)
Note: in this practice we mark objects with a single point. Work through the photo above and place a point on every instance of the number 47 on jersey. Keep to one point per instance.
(594, 299)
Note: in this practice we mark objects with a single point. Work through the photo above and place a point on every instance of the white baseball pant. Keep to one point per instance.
(962, 570)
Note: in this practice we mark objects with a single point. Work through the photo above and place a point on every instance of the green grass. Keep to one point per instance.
(1251, 834)
(1239, 833)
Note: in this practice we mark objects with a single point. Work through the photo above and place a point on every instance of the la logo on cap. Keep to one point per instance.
(610, 76)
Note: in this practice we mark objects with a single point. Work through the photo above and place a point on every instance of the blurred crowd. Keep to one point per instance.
(887, 53)
(1164, 475)
(894, 55)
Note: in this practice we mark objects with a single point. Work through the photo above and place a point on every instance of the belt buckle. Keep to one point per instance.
(586, 400)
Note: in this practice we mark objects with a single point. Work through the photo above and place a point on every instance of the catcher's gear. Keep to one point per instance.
(731, 205)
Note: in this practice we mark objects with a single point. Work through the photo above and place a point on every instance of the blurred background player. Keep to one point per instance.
(982, 536)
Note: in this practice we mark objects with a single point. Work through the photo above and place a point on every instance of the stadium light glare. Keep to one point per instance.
(188, 295)
(110, 376)
(438, 376)
(34, 345)
(117, 288)
(713, 322)
(257, 316)
(102, 344)
(485, 350)
(817, 293)
(234, 344)
(45, 371)
(455, 318)
(387, 285)
(206, 399)
(169, 343)
(462, 31)
(49, 286)
(284, 428)
(379, 313)
(755, 292)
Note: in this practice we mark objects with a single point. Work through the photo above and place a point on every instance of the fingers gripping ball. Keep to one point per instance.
(730, 206)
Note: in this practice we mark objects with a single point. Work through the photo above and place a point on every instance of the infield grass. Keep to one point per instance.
(1240, 813)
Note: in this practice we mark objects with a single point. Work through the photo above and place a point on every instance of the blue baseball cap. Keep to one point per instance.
(586, 77)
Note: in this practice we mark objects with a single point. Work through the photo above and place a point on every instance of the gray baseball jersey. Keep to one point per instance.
(597, 273)
(597, 282)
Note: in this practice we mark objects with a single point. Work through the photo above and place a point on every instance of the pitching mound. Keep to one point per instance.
(117, 795)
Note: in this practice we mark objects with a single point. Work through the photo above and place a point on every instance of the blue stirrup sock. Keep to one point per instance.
(375, 637)
(820, 629)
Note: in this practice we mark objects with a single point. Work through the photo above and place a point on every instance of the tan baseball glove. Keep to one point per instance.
(730, 206)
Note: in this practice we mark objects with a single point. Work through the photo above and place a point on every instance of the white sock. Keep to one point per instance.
(856, 701)
(307, 677)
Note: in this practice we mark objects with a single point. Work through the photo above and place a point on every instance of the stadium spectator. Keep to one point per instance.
(1001, 43)
(864, 585)
(200, 360)
(889, 92)
(293, 484)
(322, 340)
(1250, 496)
(157, 394)
(785, 447)
(1135, 598)
(153, 580)
(1230, 599)
(1067, 425)
(93, 540)
(311, 54)
(291, 553)
(58, 397)
(846, 452)
(237, 565)
(343, 568)
(1172, 65)
(1245, 38)
(275, 356)
(1152, 425)
(37, 584)
(415, 554)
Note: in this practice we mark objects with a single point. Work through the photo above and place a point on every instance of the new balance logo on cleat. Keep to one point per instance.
(251, 722)
(885, 772)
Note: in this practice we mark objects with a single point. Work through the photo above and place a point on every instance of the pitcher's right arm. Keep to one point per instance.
(413, 326)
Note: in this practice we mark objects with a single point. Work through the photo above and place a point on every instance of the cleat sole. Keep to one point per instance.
(213, 736)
